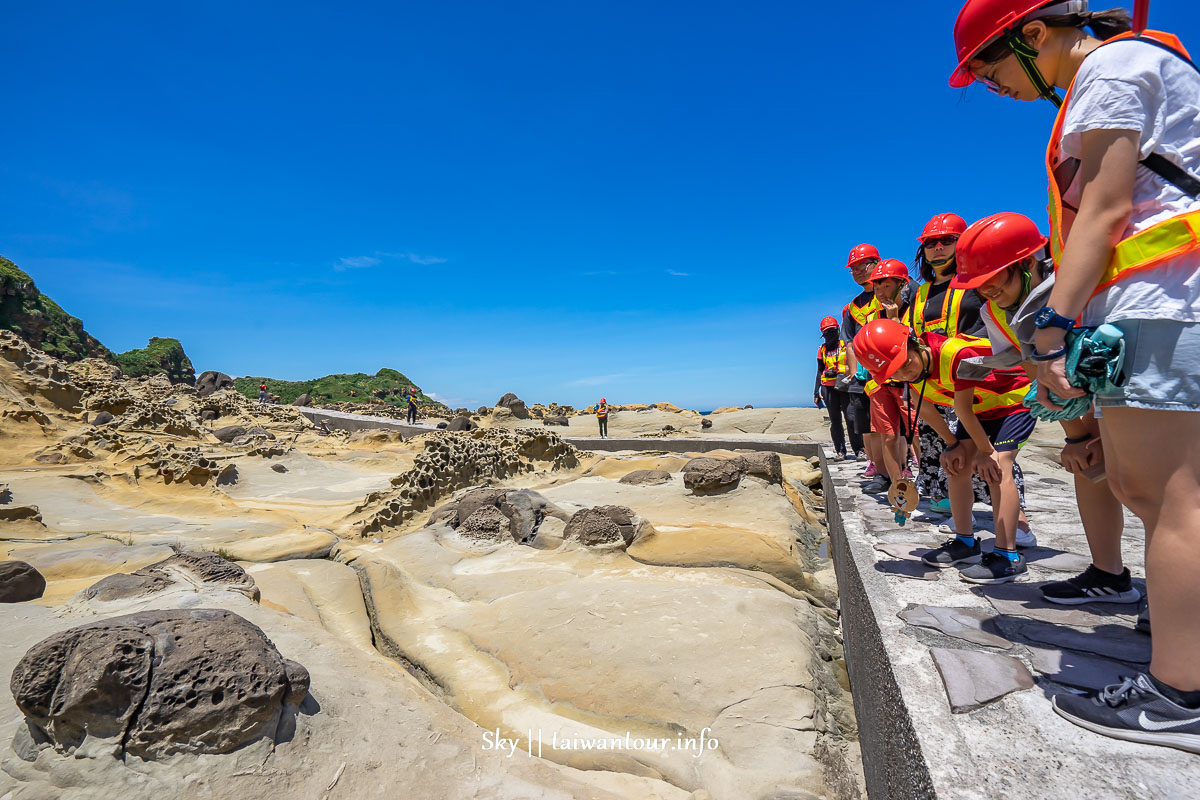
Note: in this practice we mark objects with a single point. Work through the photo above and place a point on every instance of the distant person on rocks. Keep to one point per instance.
(412, 405)
(262, 394)
(602, 417)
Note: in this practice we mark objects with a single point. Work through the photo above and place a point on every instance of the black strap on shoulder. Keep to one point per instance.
(1157, 163)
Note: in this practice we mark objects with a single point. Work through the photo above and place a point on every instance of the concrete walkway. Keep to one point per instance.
(952, 682)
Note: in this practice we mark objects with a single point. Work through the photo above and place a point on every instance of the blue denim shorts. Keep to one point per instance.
(1162, 365)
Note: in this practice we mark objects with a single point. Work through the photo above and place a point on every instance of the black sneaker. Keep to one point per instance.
(1093, 586)
(953, 552)
(876, 485)
(1134, 711)
(995, 568)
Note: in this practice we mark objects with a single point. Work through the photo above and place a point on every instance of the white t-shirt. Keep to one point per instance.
(1134, 86)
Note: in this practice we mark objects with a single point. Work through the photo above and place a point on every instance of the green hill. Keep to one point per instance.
(385, 386)
(40, 321)
(159, 355)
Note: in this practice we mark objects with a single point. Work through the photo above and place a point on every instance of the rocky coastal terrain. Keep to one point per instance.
(208, 597)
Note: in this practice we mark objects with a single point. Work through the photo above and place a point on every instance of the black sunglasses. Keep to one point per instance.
(945, 241)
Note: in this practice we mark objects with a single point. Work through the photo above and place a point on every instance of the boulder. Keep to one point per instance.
(482, 411)
(514, 404)
(668, 428)
(763, 465)
(17, 513)
(229, 433)
(209, 382)
(706, 423)
(486, 523)
(646, 477)
(280, 468)
(191, 568)
(157, 683)
(628, 522)
(20, 581)
(710, 475)
(302, 400)
(556, 421)
(208, 415)
(103, 418)
(462, 423)
(592, 527)
(747, 406)
(441, 426)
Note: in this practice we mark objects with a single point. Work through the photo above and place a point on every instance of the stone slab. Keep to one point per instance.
(969, 624)
(1077, 669)
(1025, 600)
(973, 678)
(914, 570)
(1109, 640)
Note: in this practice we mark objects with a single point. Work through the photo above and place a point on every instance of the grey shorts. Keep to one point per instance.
(1162, 362)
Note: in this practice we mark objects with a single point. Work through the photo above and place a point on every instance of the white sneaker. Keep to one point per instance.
(1026, 538)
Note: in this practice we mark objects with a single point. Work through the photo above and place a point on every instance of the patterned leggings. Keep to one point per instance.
(931, 478)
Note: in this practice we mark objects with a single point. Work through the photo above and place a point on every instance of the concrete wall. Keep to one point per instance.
(893, 762)
(359, 422)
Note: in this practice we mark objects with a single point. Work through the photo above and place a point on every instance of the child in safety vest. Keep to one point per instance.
(1124, 171)
(893, 291)
(992, 426)
(1001, 261)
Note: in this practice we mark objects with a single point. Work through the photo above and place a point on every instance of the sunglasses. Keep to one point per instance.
(942, 241)
(989, 84)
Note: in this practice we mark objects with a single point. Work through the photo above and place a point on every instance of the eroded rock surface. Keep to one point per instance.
(157, 683)
(20, 581)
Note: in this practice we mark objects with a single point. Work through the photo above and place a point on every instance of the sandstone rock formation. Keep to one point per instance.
(156, 683)
(210, 382)
(646, 477)
(514, 404)
(711, 475)
(462, 423)
(190, 568)
(453, 461)
(19, 581)
(522, 512)
(765, 465)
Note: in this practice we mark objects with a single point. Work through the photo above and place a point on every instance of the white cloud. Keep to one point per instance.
(359, 262)
(677, 274)
(355, 262)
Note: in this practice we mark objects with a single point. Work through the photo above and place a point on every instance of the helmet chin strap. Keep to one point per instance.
(937, 265)
(1026, 56)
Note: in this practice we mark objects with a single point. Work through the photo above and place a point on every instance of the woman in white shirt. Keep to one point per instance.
(1124, 160)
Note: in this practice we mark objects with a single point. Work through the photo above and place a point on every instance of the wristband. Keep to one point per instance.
(1054, 356)
(1079, 439)
(951, 447)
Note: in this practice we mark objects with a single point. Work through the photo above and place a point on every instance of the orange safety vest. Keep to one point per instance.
(602, 411)
(937, 391)
(835, 361)
(947, 321)
(1000, 317)
(1143, 250)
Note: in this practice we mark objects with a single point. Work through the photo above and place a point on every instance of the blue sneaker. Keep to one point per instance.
(940, 506)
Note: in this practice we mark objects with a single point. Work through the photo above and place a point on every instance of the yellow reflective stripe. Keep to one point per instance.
(951, 303)
(1159, 242)
(866, 313)
(1000, 317)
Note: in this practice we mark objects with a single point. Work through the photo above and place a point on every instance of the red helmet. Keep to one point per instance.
(882, 347)
(827, 323)
(889, 268)
(860, 254)
(602, 400)
(943, 225)
(981, 21)
(993, 243)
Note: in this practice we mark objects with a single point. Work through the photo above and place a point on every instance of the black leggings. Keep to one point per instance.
(603, 425)
(843, 404)
(412, 415)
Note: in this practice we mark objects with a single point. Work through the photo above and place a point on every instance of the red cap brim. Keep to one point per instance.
(962, 77)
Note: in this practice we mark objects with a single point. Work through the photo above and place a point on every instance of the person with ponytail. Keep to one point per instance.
(1124, 171)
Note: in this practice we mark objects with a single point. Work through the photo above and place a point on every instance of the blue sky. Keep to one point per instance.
(646, 201)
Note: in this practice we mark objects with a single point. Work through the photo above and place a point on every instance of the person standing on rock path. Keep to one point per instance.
(262, 394)
(1124, 176)
(858, 312)
(831, 365)
(412, 405)
(602, 417)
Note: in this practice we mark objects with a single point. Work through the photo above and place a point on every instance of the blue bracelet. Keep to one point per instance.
(1057, 354)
